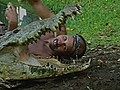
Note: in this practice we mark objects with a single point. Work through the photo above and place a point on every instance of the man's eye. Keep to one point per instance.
(65, 38)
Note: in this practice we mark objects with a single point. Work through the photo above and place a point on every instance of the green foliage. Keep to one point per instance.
(99, 22)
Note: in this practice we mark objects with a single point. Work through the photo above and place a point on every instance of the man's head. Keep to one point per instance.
(67, 46)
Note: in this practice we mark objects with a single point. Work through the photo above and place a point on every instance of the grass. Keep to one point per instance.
(99, 22)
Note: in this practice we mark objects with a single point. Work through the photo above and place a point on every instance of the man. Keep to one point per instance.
(64, 46)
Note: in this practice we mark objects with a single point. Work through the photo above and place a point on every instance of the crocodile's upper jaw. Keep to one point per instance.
(33, 31)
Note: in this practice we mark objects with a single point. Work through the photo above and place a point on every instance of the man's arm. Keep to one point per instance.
(40, 8)
(44, 12)
(12, 17)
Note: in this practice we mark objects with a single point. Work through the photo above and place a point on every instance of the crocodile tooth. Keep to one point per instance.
(72, 17)
(20, 41)
(78, 12)
(26, 40)
(34, 38)
(30, 40)
(78, 7)
(43, 30)
(59, 22)
(37, 35)
(25, 43)
(56, 24)
(74, 62)
(53, 28)
(61, 18)
(39, 32)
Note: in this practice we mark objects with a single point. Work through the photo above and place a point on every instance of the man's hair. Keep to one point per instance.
(79, 43)
(76, 53)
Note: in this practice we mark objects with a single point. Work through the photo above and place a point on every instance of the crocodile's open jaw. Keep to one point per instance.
(35, 67)
(51, 24)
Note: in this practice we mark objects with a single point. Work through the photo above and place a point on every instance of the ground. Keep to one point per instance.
(103, 74)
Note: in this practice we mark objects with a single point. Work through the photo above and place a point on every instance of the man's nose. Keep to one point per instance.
(60, 43)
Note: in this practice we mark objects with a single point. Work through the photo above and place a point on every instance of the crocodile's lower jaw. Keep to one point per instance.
(14, 69)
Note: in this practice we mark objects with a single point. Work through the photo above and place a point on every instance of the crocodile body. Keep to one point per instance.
(11, 68)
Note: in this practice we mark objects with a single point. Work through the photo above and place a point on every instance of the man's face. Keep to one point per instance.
(62, 43)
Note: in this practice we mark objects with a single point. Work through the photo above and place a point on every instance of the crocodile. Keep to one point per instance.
(11, 68)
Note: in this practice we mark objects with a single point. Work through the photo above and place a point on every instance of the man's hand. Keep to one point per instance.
(44, 12)
(11, 16)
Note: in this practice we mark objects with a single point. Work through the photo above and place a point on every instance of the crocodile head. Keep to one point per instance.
(14, 69)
